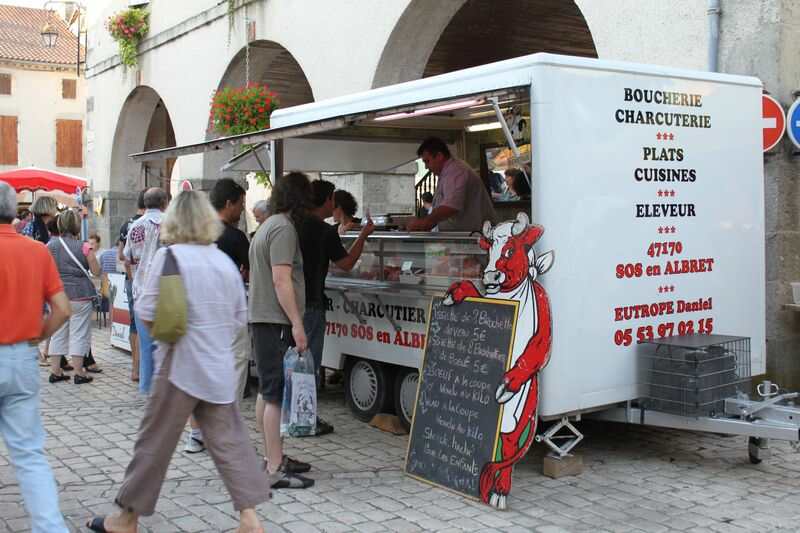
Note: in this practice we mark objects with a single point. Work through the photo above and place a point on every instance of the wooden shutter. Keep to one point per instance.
(5, 83)
(8, 140)
(69, 143)
(69, 89)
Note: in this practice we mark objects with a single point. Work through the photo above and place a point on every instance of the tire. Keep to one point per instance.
(366, 388)
(405, 395)
(753, 445)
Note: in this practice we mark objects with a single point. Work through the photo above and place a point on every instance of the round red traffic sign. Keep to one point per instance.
(773, 121)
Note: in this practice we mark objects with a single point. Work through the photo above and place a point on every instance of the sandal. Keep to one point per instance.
(293, 466)
(97, 523)
(285, 480)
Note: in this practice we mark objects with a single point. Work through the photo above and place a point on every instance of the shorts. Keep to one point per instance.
(270, 344)
(74, 337)
(129, 294)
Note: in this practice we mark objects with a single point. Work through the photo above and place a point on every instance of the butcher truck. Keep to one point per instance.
(635, 241)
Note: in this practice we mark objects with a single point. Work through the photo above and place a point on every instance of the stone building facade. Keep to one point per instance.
(311, 50)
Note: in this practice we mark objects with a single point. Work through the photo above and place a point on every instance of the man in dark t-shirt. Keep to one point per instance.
(320, 245)
(227, 197)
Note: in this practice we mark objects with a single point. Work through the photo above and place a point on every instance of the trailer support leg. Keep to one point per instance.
(559, 462)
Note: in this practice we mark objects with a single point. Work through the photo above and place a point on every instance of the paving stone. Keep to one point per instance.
(635, 478)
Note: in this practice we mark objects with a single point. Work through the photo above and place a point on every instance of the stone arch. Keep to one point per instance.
(270, 64)
(144, 124)
(432, 38)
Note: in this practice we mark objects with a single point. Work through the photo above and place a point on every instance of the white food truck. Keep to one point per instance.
(648, 182)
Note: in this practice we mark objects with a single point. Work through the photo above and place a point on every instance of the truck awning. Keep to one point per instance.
(314, 127)
(256, 138)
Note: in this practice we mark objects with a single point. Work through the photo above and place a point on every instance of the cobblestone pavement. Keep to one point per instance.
(636, 479)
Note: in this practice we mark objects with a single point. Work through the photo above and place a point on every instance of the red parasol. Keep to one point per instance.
(37, 179)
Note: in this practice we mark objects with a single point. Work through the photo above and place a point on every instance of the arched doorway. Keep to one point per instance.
(436, 37)
(143, 124)
(270, 64)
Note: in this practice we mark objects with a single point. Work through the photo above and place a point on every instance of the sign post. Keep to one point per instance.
(773, 121)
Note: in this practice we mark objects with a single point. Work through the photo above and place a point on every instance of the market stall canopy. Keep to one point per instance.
(38, 179)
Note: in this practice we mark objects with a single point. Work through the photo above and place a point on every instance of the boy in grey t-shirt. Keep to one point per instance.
(276, 306)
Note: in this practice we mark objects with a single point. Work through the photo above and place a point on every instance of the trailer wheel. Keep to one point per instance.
(754, 450)
(405, 395)
(365, 388)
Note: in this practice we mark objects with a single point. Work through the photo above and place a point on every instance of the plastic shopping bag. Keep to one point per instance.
(299, 410)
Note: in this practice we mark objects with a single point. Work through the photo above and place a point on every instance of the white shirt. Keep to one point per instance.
(141, 246)
(203, 364)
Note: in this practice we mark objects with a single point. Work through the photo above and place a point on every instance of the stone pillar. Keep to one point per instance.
(760, 39)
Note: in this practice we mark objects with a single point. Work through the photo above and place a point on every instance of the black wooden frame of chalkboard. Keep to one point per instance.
(507, 366)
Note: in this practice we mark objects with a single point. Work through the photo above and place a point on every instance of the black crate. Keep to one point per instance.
(692, 375)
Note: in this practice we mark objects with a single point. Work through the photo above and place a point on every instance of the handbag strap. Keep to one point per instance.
(170, 267)
(75, 259)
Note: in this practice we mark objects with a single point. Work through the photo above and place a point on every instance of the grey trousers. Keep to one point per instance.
(225, 437)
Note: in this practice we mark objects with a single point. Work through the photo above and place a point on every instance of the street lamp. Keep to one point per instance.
(50, 34)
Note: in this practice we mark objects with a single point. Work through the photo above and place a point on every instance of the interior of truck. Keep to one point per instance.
(491, 131)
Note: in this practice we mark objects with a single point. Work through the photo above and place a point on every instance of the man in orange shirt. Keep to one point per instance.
(28, 279)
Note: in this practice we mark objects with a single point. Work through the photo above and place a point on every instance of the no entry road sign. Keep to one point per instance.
(773, 120)
(793, 123)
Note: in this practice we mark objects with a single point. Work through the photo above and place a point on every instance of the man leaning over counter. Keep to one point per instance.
(461, 202)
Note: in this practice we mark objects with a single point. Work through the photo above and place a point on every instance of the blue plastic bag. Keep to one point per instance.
(299, 409)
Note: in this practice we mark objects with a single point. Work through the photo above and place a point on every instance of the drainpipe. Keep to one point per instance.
(713, 34)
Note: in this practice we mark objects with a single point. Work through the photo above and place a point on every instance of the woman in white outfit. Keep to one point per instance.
(195, 376)
(74, 263)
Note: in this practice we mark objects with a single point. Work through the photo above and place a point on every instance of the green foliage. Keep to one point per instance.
(128, 28)
(262, 178)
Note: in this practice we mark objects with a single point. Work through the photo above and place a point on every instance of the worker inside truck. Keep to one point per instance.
(461, 202)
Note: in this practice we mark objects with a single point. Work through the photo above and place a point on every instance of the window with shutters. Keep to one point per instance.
(8, 140)
(69, 143)
(5, 83)
(69, 89)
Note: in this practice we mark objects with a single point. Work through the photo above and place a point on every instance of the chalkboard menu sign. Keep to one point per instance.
(456, 417)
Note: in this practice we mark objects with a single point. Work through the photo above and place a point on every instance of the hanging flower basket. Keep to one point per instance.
(128, 28)
(236, 110)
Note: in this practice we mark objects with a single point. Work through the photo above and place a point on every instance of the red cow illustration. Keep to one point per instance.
(511, 275)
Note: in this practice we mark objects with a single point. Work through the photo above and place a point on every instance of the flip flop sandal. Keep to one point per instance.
(293, 481)
(96, 524)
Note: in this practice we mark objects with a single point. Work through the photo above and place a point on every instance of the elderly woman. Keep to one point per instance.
(195, 376)
(73, 262)
(344, 211)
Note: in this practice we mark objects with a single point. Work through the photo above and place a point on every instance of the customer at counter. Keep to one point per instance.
(277, 304)
(344, 211)
(320, 244)
(517, 187)
(461, 202)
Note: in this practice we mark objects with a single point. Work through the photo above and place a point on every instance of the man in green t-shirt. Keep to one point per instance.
(276, 306)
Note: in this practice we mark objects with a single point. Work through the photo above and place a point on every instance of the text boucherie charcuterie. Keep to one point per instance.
(662, 118)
